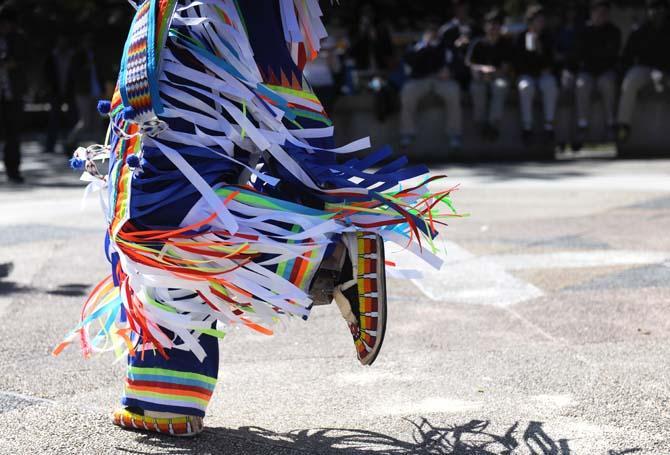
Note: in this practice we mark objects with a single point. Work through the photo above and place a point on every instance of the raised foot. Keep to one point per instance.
(361, 293)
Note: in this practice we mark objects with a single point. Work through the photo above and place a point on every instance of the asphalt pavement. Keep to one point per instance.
(546, 332)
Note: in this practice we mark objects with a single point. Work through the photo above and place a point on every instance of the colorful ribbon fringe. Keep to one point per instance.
(243, 255)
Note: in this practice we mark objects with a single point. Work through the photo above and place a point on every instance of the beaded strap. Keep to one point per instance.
(140, 65)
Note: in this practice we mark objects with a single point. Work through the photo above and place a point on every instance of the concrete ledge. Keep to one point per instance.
(354, 118)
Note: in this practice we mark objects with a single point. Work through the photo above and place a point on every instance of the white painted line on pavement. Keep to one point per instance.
(465, 278)
(614, 182)
(20, 396)
(576, 259)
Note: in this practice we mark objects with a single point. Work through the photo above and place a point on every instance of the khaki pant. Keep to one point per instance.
(88, 121)
(636, 78)
(416, 89)
(606, 86)
(549, 91)
(496, 91)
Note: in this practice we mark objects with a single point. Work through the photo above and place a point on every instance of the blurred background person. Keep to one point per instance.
(597, 62)
(646, 60)
(489, 59)
(87, 89)
(322, 73)
(59, 79)
(371, 46)
(457, 34)
(430, 72)
(565, 57)
(534, 62)
(375, 57)
(12, 76)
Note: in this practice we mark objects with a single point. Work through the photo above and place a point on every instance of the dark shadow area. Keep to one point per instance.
(54, 174)
(5, 269)
(45, 170)
(70, 290)
(472, 438)
(10, 287)
(35, 182)
(502, 172)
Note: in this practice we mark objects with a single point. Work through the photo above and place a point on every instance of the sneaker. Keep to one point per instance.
(623, 133)
(16, 179)
(406, 140)
(548, 134)
(137, 419)
(455, 142)
(482, 129)
(492, 132)
(361, 293)
(578, 143)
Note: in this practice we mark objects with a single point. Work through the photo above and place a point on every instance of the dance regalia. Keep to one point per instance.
(225, 192)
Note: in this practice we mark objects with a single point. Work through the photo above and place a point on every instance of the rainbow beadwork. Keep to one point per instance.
(177, 426)
(371, 291)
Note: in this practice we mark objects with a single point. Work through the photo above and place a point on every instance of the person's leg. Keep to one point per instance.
(526, 86)
(636, 78)
(180, 384)
(54, 124)
(549, 88)
(499, 90)
(583, 92)
(411, 94)
(450, 92)
(81, 104)
(607, 87)
(11, 118)
(478, 91)
(93, 119)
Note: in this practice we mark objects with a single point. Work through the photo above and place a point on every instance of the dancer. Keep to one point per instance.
(228, 204)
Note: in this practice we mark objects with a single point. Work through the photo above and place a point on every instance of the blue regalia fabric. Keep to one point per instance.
(225, 189)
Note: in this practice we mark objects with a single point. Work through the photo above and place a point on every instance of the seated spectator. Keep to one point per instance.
(430, 73)
(375, 57)
(321, 74)
(87, 87)
(12, 86)
(58, 71)
(646, 56)
(371, 44)
(456, 35)
(597, 60)
(566, 45)
(489, 59)
(534, 61)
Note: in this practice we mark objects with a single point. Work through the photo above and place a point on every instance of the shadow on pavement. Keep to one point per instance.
(503, 172)
(470, 438)
(10, 287)
(5, 269)
(70, 290)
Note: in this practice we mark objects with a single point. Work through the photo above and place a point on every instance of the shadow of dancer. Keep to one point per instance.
(539, 442)
(473, 437)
